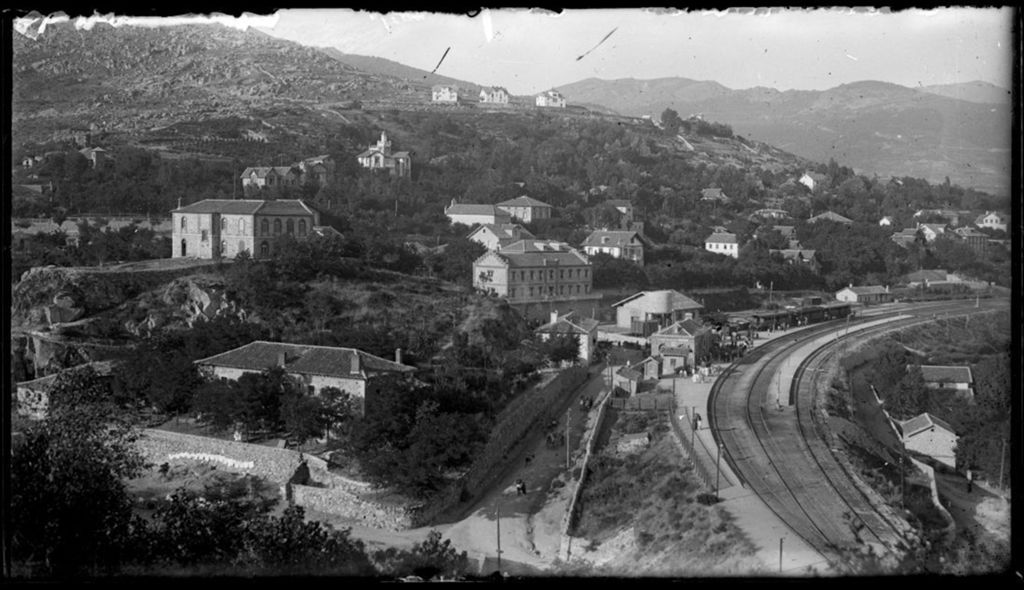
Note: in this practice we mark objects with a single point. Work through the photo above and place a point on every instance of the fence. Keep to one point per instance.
(644, 402)
(590, 443)
(683, 430)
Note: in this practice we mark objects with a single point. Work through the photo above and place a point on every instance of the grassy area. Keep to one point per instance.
(150, 489)
(642, 511)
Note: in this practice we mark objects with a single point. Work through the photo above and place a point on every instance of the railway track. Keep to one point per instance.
(778, 452)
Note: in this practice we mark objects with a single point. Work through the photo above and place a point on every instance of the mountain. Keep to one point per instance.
(873, 127)
(976, 91)
(386, 67)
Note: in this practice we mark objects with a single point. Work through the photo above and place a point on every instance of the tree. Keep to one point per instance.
(428, 559)
(70, 512)
(670, 121)
(303, 415)
(562, 347)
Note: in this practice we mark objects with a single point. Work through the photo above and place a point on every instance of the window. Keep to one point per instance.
(531, 288)
(241, 247)
(290, 227)
(264, 249)
(561, 289)
(311, 390)
(512, 292)
(184, 223)
(302, 227)
(551, 274)
(551, 289)
(561, 274)
(223, 224)
(241, 227)
(183, 247)
(205, 236)
(264, 227)
(531, 275)
(223, 247)
(586, 273)
(277, 226)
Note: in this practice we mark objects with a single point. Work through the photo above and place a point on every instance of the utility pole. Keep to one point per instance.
(693, 431)
(1002, 464)
(780, 555)
(903, 483)
(499, 535)
(568, 419)
(718, 470)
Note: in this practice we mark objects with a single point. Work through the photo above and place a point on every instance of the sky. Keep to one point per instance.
(528, 51)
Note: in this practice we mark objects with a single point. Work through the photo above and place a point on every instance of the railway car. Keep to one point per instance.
(783, 319)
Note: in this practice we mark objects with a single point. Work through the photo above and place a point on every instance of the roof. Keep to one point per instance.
(946, 374)
(688, 327)
(713, 193)
(534, 258)
(443, 86)
(102, 368)
(326, 231)
(474, 209)
(785, 230)
(247, 207)
(919, 424)
(503, 231)
(664, 301)
(866, 290)
(794, 253)
(263, 171)
(615, 238)
(304, 359)
(980, 218)
(493, 89)
(829, 215)
(619, 202)
(630, 373)
(721, 238)
(523, 201)
(569, 325)
(935, 227)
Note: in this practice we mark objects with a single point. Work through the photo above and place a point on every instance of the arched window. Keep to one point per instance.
(277, 226)
(184, 223)
(241, 227)
(302, 227)
(223, 248)
(223, 224)
(183, 247)
(241, 247)
(290, 227)
(264, 227)
(264, 249)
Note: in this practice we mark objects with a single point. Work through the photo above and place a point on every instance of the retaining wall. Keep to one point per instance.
(590, 443)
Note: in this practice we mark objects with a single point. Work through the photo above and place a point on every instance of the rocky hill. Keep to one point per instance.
(874, 127)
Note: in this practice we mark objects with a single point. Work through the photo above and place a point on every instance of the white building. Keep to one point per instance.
(380, 157)
(992, 220)
(866, 295)
(648, 311)
(495, 236)
(526, 209)
(723, 243)
(473, 214)
(494, 95)
(930, 436)
(585, 331)
(627, 245)
(551, 98)
(219, 228)
(445, 94)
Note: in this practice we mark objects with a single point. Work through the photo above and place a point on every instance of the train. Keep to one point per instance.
(782, 319)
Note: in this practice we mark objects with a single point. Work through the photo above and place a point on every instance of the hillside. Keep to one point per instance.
(874, 127)
(385, 67)
(976, 91)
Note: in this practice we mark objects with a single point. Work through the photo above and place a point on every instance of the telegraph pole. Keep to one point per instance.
(568, 419)
(499, 536)
(1002, 464)
(693, 431)
(780, 555)
(718, 470)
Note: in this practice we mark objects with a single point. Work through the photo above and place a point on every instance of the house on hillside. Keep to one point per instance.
(222, 228)
(496, 236)
(813, 180)
(551, 98)
(866, 295)
(526, 209)
(444, 93)
(885, 221)
(925, 278)
(98, 157)
(648, 311)
(799, 256)
(930, 436)
(380, 157)
(270, 176)
(583, 329)
(626, 245)
(684, 344)
(956, 378)
(33, 396)
(494, 95)
(537, 277)
(624, 207)
(974, 239)
(713, 194)
(830, 216)
(931, 231)
(723, 243)
(769, 214)
(992, 220)
(475, 214)
(31, 161)
(905, 236)
(318, 170)
(353, 371)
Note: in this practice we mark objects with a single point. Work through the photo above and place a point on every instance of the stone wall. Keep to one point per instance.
(273, 464)
(343, 503)
(590, 445)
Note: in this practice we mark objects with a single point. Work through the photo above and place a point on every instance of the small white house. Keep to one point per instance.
(951, 377)
(475, 214)
(551, 98)
(723, 243)
(930, 436)
(494, 95)
(991, 220)
(445, 94)
(585, 331)
(865, 295)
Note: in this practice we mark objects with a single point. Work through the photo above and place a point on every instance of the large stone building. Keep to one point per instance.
(380, 157)
(526, 209)
(316, 367)
(222, 228)
(538, 277)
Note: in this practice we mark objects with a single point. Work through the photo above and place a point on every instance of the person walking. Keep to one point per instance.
(970, 481)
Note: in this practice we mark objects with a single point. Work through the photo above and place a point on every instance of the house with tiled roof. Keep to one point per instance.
(992, 220)
(526, 209)
(98, 157)
(798, 256)
(583, 329)
(905, 236)
(494, 95)
(494, 236)
(974, 239)
(33, 396)
(444, 93)
(627, 245)
(315, 367)
(720, 242)
(625, 207)
(269, 176)
(687, 342)
(713, 194)
(950, 377)
(866, 295)
(830, 216)
(930, 436)
(551, 98)
(223, 228)
(647, 311)
(769, 214)
(379, 156)
(476, 214)
(537, 277)
(631, 377)
(931, 231)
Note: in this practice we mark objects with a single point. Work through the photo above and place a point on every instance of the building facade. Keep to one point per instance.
(475, 214)
(867, 295)
(723, 243)
(627, 245)
(584, 330)
(493, 236)
(648, 311)
(444, 94)
(992, 220)
(930, 436)
(315, 367)
(551, 98)
(494, 95)
(689, 336)
(222, 228)
(526, 209)
(380, 157)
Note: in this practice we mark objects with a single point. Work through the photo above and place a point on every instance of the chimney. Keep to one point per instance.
(851, 285)
(554, 316)
(398, 355)
(355, 362)
(281, 359)
(179, 202)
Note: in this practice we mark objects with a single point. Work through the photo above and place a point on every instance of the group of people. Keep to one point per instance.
(586, 403)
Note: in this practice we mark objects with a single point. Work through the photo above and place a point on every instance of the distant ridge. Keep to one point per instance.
(385, 67)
